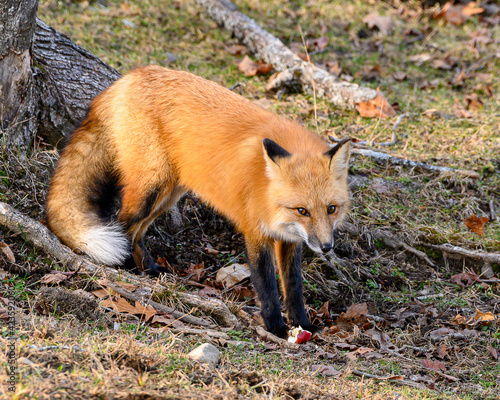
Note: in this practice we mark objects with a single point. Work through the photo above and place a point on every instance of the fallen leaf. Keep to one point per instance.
(484, 317)
(434, 365)
(208, 292)
(333, 67)
(383, 23)
(167, 320)
(236, 50)
(101, 293)
(233, 274)
(7, 252)
(399, 76)
(53, 278)
(196, 271)
(129, 286)
(325, 370)
(382, 338)
(464, 279)
(493, 352)
(121, 305)
(472, 102)
(319, 43)
(369, 72)
(442, 350)
(324, 310)
(460, 111)
(420, 58)
(441, 333)
(379, 107)
(458, 14)
(442, 64)
(252, 68)
(476, 224)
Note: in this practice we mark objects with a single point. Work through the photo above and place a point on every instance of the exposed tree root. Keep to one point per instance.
(273, 51)
(386, 158)
(457, 252)
(37, 234)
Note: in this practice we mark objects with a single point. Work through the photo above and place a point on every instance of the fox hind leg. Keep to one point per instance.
(137, 213)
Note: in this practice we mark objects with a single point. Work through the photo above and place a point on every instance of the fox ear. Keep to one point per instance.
(274, 150)
(273, 154)
(339, 157)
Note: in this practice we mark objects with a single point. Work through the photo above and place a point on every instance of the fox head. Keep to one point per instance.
(308, 193)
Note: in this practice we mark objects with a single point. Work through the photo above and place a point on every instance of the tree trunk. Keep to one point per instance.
(46, 80)
(69, 77)
(17, 95)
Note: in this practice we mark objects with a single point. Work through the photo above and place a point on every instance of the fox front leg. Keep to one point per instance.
(289, 259)
(263, 277)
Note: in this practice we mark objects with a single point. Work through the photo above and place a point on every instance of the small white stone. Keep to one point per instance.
(206, 354)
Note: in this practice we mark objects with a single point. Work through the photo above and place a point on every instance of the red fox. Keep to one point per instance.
(157, 133)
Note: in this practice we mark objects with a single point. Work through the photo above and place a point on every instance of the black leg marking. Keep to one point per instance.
(291, 275)
(264, 280)
(146, 209)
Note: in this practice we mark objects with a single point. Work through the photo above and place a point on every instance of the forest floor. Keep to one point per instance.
(409, 322)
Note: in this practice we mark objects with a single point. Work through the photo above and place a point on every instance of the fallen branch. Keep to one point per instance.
(272, 50)
(160, 307)
(275, 339)
(386, 158)
(37, 234)
(399, 380)
(392, 241)
(487, 258)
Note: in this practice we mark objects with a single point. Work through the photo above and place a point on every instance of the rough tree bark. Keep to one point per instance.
(46, 80)
(17, 95)
(272, 50)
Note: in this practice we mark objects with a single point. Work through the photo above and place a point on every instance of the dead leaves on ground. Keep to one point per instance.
(476, 224)
(252, 68)
(458, 14)
(145, 313)
(379, 107)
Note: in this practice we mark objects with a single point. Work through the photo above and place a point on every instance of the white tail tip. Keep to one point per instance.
(106, 244)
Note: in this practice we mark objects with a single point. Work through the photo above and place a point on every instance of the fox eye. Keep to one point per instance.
(303, 211)
(331, 209)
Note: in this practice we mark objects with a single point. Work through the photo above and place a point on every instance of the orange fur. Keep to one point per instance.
(160, 132)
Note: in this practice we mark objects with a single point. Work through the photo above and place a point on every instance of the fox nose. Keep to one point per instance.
(325, 248)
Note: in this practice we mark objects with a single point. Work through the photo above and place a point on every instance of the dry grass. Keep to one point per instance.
(140, 362)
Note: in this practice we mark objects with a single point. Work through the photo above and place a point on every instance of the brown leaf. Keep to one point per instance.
(383, 23)
(208, 292)
(333, 67)
(325, 310)
(129, 286)
(441, 64)
(472, 102)
(399, 76)
(458, 14)
(379, 107)
(484, 317)
(442, 350)
(464, 279)
(382, 338)
(434, 365)
(196, 271)
(460, 111)
(319, 43)
(251, 68)
(369, 72)
(493, 352)
(7, 252)
(420, 58)
(101, 293)
(167, 320)
(121, 305)
(325, 370)
(236, 50)
(476, 224)
(53, 278)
